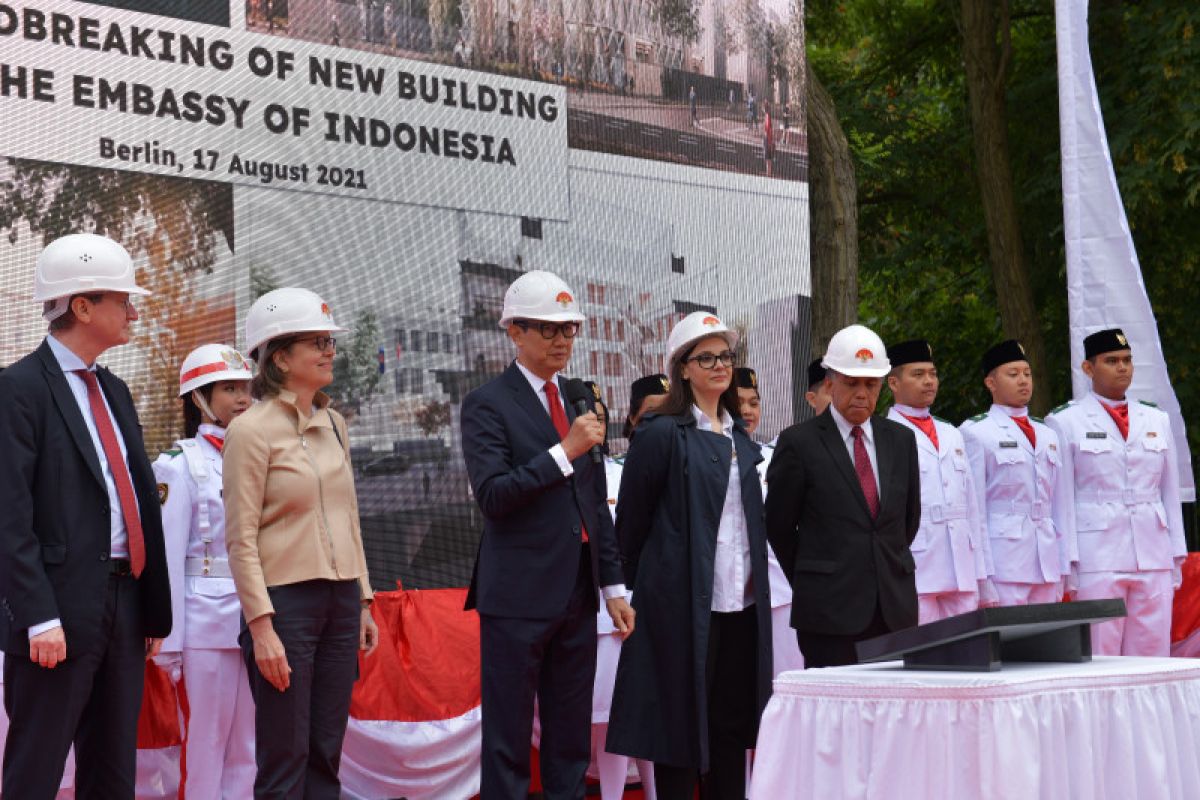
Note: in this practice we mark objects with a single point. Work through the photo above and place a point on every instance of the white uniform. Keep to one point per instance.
(787, 654)
(951, 547)
(1018, 485)
(220, 735)
(1124, 506)
(611, 769)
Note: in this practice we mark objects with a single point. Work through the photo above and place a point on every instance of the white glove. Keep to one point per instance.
(1061, 590)
(170, 663)
(988, 596)
(1072, 578)
(1176, 577)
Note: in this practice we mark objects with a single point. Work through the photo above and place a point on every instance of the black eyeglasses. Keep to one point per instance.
(549, 330)
(709, 360)
(322, 343)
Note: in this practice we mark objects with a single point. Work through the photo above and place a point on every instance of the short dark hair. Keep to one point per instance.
(269, 381)
(192, 416)
(67, 321)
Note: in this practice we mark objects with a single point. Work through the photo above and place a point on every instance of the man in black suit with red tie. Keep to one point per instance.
(84, 593)
(548, 549)
(844, 506)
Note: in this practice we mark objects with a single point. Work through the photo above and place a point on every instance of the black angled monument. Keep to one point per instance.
(980, 641)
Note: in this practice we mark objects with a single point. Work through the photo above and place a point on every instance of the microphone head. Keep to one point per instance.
(577, 390)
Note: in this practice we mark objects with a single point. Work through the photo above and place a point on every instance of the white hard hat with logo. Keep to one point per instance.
(691, 329)
(81, 263)
(210, 363)
(541, 296)
(857, 351)
(283, 312)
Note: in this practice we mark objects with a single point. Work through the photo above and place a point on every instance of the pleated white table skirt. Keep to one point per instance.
(1117, 728)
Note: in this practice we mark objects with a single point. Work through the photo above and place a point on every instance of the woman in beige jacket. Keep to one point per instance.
(295, 549)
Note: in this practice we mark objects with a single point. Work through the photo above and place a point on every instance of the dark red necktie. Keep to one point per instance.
(862, 466)
(1120, 415)
(120, 471)
(559, 418)
(215, 441)
(1025, 425)
(926, 426)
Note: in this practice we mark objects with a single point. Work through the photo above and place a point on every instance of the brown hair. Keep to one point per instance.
(269, 380)
(680, 397)
(67, 320)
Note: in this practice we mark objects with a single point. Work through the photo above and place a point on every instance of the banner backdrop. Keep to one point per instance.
(431, 154)
(1104, 280)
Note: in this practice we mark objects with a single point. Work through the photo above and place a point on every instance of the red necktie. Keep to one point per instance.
(862, 466)
(1120, 415)
(1025, 425)
(559, 418)
(925, 424)
(120, 471)
(215, 441)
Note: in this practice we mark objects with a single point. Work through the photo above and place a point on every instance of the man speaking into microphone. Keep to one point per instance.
(548, 548)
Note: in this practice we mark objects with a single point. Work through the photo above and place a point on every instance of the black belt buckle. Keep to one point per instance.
(119, 567)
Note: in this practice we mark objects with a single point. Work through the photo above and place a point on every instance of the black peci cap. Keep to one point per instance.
(645, 386)
(1105, 341)
(745, 378)
(1003, 353)
(911, 352)
(816, 373)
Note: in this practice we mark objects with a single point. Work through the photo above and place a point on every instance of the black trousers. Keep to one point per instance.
(827, 650)
(91, 699)
(732, 678)
(554, 660)
(298, 733)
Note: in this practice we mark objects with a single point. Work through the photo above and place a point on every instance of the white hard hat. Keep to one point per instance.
(857, 351)
(210, 363)
(542, 296)
(81, 263)
(691, 329)
(282, 312)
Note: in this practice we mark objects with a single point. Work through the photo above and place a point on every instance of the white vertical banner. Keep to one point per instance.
(1104, 279)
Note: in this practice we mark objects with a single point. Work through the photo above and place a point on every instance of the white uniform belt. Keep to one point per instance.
(941, 513)
(207, 567)
(1129, 497)
(1037, 510)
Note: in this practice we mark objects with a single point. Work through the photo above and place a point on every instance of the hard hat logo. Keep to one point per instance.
(864, 355)
(564, 299)
(233, 359)
(711, 322)
(325, 309)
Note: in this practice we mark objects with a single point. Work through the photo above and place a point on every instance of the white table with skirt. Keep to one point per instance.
(1115, 728)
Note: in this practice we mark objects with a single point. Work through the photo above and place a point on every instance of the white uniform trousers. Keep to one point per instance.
(1148, 596)
(786, 651)
(220, 736)
(1024, 594)
(610, 768)
(940, 605)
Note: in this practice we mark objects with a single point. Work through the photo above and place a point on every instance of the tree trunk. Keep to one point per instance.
(833, 212)
(987, 52)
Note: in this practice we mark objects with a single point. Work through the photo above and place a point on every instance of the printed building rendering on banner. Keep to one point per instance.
(712, 83)
(417, 266)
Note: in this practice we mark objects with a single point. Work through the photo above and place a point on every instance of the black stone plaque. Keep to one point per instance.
(982, 640)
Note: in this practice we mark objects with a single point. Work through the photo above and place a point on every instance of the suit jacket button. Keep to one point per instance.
(104, 556)
(575, 529)
(714, 458)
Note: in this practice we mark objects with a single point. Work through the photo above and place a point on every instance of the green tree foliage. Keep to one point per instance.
(356, 368)
(894, 68)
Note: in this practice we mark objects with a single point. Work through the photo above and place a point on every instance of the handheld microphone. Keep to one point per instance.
(577, 396)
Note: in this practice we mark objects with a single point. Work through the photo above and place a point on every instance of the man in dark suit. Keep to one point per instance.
(84, 593)
(844, 506)
(548, 549)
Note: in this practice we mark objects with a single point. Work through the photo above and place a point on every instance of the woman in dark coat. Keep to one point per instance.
(693, 680)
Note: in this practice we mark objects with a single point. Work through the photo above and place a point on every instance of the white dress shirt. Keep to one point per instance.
(557, 452)
(118, 536)
(732, 590)
(845, 428)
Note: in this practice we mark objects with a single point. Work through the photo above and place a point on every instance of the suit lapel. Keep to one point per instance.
(831, 437)
(884, 448)
(530, 403)
(68, 408)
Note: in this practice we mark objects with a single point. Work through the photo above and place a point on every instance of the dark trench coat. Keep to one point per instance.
(672, 491)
